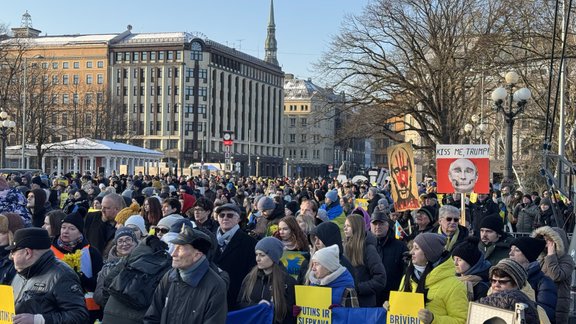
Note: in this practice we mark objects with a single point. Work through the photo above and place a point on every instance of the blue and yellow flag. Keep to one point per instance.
(399, 231)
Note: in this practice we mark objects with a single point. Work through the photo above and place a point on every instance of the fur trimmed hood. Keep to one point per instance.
(555, 234)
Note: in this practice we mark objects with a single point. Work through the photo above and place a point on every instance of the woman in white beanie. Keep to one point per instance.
(432, 272)
(328, 272)
(136, 223)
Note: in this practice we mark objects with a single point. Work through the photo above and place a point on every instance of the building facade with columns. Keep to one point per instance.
(85, 154)
(176, 93)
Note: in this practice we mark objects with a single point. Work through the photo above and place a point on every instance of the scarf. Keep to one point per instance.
(418, 270)
(69, 247)
(224, 238)
(450, 240)
(328, 279)
(187, 274)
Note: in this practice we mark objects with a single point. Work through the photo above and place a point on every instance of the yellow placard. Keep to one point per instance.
(362, 202)
(315, 303)
(7, 311)
(404, 307)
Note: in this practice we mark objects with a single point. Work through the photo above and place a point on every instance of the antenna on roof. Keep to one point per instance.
(26, 20)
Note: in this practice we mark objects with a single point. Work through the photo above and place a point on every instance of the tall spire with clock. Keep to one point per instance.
(270, 45)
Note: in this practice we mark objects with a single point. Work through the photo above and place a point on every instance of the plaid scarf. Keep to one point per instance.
(69, 246)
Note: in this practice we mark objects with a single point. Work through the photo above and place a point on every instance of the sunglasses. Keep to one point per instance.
(227, 215)
(162, 230)
(455, 219)
(500, 281)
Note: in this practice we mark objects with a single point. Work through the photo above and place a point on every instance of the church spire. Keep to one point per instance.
(270, 45)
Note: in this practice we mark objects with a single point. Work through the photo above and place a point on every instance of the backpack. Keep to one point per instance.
(135, 284)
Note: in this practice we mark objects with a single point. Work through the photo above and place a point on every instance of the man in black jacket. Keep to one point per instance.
(390, 250)
(482, 208)
(46, 290)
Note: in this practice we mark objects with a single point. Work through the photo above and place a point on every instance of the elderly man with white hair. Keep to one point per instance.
(449, 226)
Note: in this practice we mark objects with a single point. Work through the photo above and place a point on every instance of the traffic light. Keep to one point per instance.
(228, 141)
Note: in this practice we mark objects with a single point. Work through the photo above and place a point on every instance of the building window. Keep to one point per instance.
(55, 65)
(189, 72)
(44, 65)
(65, 98)
(65, 65)
(161, 55)
(100, 78)
(292, 138)
(118, 57)
(292, 122)
(75, 98)
(144, 56)
(304, 122)
(88, 98)
(89, 64)
(64, 118)
(154, 144)
(203, 74)
(76, 79)
(100, 64)
(99, 97)
(136, 56)
(55, 79)
(88, 78)
(202, 110)
(170, 55)
(54, 99)
(303, 138)
(65, 79)
(153, 56)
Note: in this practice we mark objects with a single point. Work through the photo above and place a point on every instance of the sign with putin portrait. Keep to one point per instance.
(463, 168)
(403, 184)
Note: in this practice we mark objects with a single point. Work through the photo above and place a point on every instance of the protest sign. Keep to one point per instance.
(403, 184)
(463, 168)
(404, 307)
(7, 311)
(362, 202)
(315, 303)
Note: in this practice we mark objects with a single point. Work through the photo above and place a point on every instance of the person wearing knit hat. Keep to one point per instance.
(125, 213)
(332, 196)
(471, 267)
(507, 274)
(125, 240)
(494, 242)
(525, 251)
(269, 281)
(431, 273)
(165, 224)
(72, 247)
(136, 223)
(266, 203)
(327, 271)
(432, 246)
(271, 247)
(76, 220)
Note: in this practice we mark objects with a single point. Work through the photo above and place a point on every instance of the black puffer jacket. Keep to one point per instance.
(51, 288)
(371, 276)
(151, 251)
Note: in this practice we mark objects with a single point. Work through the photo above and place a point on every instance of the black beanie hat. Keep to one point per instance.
(468, 250)
(494, 223)
(76, 220)
(428, 211)
(531, 247)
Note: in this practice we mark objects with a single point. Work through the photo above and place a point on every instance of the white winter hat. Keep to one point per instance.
(328, 257)
(137, 221)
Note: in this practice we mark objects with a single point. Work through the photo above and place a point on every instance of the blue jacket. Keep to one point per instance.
(545, 289)
(338, 286)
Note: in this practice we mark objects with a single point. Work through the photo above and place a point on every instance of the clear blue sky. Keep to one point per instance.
(303, 27)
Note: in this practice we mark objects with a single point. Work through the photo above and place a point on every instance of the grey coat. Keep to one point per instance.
(558, 267)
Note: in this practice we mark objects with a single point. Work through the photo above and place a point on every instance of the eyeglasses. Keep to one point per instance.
(162, 230)
(455, 219)
(500, 281)
(124, 241)
(227, 215)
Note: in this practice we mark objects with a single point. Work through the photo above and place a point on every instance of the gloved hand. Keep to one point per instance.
(296, 310)
(386, 305)
(425, 316)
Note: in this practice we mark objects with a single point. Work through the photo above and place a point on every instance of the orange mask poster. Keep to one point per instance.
(403, 177)
(463, 168)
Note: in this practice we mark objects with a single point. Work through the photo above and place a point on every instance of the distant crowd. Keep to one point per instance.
(149, 249)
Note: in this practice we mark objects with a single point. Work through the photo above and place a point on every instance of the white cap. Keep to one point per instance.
(137, 221)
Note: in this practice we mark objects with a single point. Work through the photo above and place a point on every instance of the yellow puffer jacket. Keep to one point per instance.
(447, 297)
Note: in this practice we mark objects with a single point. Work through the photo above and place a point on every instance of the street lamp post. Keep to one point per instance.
(257, 166)
(6, 126)
(520, 97)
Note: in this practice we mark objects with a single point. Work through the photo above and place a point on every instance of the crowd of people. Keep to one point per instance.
(149, 249)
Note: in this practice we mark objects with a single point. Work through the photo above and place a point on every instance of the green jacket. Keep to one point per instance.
(447, 296)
